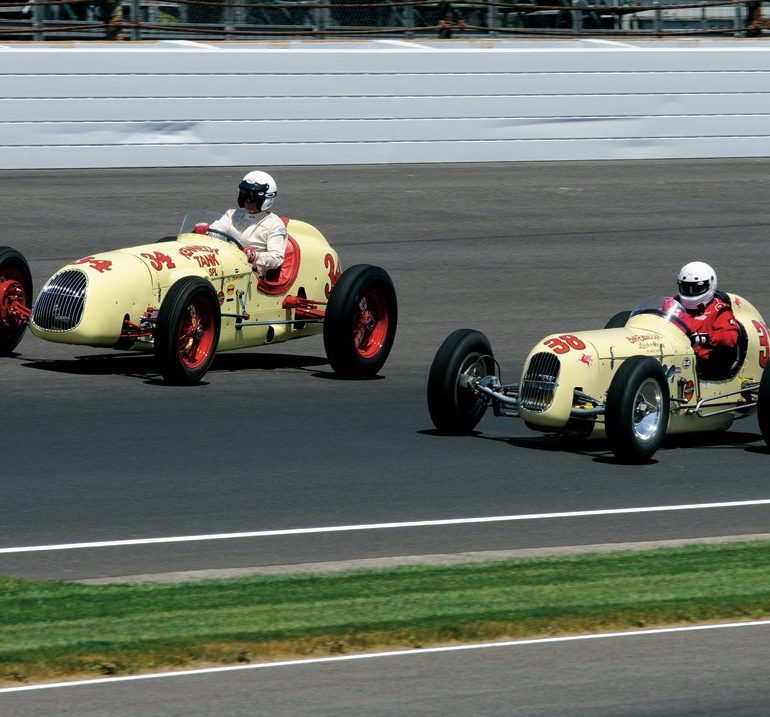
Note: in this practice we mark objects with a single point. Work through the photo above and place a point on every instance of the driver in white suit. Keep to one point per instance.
(261, 232)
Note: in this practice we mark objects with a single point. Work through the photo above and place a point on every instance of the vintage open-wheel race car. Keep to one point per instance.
(186, 297)
(632, 382)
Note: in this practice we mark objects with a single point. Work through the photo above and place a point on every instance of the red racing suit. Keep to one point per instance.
(714, 329)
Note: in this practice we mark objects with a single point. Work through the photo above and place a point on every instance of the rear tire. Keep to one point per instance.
(187, 331)
(637, 409)
(763, 406)
(454, 409)
(15, 269)
(619, 320)
(360, 321)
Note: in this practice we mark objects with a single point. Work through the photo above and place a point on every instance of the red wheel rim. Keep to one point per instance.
(11, 292)
(195, 338)
(370, 324)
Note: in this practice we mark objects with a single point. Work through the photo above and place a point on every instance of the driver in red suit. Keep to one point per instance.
(708, 314)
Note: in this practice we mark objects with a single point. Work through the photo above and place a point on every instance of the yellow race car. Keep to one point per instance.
(632, 382)
(188, 296)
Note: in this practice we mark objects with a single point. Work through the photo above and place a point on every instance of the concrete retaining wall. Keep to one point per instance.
(194, 104)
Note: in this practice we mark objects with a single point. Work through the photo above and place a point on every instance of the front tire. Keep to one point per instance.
(187, 331)
(360, 321)
(15, 286)
(454, 409)
(637, 409)
(763, 406)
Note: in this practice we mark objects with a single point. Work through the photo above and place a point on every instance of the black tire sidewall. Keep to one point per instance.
(450, 410)
(343, 305)
(619, 320)
(170, 314)
(618, 416)
(763, 405)
(11, 257)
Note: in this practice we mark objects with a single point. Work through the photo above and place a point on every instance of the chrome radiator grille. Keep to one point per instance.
(539, 383)
(60, 305)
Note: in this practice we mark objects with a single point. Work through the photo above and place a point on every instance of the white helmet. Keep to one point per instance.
(697, 284)
(257, 187)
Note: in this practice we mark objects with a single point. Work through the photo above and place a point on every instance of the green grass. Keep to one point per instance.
(50, 630)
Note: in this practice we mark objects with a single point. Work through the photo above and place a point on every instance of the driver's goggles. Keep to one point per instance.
(693, 288)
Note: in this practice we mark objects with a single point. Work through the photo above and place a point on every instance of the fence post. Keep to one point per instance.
(37, 21)
(321, 18)
(492, 19)
(239, 16)
(136, 30)
(229, 18)
(658, 18)
(577, 18)
(409, 20)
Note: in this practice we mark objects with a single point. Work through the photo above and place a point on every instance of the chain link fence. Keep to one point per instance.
(41, 20)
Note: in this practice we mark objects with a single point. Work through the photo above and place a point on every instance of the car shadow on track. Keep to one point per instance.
(599, 449)
(143, 366)
(266, 362)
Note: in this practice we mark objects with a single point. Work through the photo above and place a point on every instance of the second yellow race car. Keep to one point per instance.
(633, 381)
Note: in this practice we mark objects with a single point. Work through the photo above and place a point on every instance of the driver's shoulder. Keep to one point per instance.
(722, 301)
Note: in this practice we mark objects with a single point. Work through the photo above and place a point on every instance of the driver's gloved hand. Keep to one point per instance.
(700, 340)
(251, 254)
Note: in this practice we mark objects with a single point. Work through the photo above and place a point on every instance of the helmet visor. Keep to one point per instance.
(693, 288)
(252, 192)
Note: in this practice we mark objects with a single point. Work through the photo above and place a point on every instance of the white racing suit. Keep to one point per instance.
(263, 233)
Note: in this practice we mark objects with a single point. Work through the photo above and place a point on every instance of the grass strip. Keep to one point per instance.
(55, 630)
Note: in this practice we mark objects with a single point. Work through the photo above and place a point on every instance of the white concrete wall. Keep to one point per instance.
(194, 104)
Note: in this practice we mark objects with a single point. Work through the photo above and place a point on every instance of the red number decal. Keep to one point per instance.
(564, 343)
(334, 274)
(157, 260)
(100, 265)
(573, 342)
(764, 342)
(557, 346)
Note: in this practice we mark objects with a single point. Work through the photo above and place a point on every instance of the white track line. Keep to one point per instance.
(380, 526)
(392, 653)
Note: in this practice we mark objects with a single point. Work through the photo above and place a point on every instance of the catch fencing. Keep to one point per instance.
(41, 20)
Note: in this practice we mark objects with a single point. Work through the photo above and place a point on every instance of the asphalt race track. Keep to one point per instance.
(96, 448)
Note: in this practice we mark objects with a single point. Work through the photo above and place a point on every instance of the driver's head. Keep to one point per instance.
(256, 192)
(697, 283)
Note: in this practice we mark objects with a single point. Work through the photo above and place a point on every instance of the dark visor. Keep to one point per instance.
(693, 288)
(252, 192)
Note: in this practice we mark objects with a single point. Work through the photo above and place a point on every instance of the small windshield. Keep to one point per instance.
(666, 307)
(198, 216)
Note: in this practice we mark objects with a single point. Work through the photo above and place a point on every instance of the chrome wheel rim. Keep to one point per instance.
(648, 410)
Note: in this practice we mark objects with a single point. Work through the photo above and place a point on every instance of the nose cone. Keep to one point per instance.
(86, 301)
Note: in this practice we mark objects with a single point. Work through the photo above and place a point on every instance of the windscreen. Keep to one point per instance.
(198, 216)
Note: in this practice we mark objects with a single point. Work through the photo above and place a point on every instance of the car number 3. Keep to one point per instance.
(564, 343)
(764, 342)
